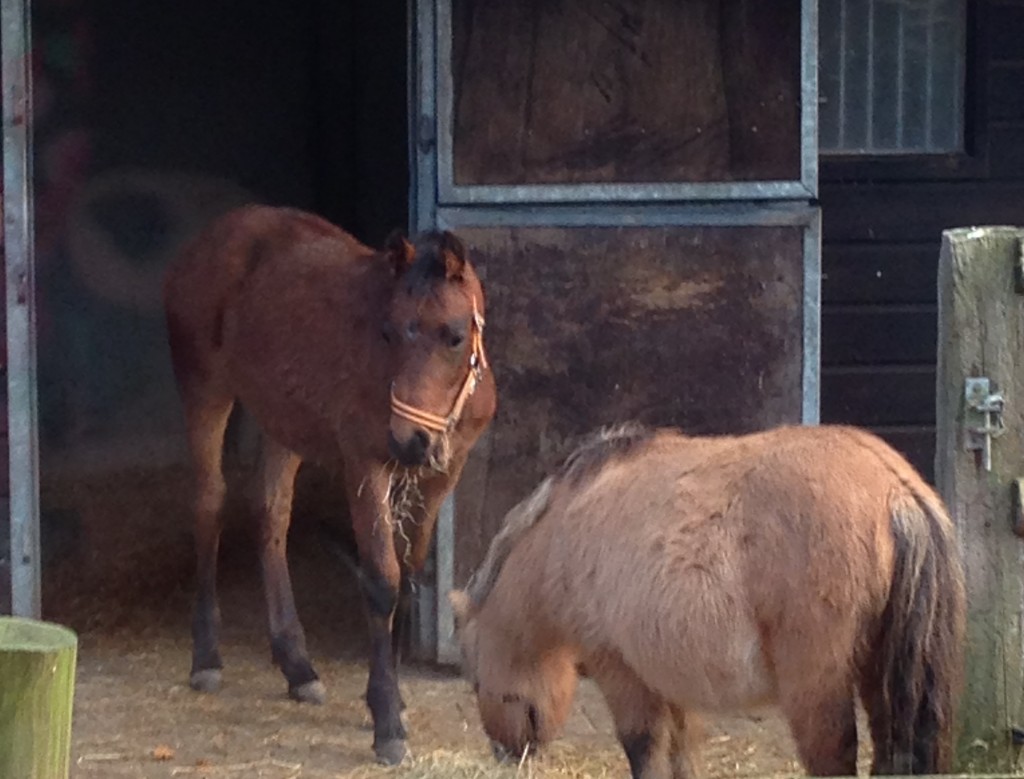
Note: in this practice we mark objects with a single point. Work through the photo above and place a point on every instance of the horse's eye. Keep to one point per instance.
(411, 330)
(455, 340)
(387, 332)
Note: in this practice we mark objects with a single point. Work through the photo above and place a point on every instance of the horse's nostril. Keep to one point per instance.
(500, 753)
(422, 440)
(413, 451)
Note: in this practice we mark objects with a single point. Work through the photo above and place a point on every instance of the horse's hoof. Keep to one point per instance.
(391, 752)
(207, 680)
(310, 692)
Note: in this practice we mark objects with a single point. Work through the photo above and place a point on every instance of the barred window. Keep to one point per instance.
(891, 76)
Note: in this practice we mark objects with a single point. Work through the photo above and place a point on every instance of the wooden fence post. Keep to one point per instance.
(981, 335)
(37, 684)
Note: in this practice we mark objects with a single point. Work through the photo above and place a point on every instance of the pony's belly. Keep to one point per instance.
(712, 675)
(720, 689)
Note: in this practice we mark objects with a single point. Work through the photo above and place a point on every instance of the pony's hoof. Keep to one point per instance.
(207, 680)
(310, 692)
(391, 752)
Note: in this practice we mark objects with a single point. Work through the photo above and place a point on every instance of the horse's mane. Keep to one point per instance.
(430, 265)
(589, 457)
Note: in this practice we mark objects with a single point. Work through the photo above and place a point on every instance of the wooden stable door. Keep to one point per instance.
(635, 182)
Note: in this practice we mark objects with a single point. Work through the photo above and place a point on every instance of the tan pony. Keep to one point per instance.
(796, 567)
(369, 361)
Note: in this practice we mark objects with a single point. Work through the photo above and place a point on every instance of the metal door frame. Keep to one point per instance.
(19, 259)
(805, 187)
(436, 201)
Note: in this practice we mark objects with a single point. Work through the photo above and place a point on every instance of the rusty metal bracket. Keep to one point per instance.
(1017, 507)
(983, 417)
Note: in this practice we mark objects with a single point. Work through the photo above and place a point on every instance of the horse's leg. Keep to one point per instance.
(206, 416)
(642, 720)
(381, 585)
(823, 720)
(287, 639)
(400, 626)
(413, 547)
(683, 752)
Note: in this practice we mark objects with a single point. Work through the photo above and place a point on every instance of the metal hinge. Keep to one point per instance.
(983, 417)
(427, 133)
(1018, 268)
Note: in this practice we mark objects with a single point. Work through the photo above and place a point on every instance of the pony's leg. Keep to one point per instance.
(892, 752)
(206, 416)
(642, 720)
(381, 585)
(287, 639)
(823, 720)
(683, 752)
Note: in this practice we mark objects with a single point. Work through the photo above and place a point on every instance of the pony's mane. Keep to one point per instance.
(589, 457)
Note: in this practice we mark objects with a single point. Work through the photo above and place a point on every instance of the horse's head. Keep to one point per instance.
(435, 329)
(524, 698)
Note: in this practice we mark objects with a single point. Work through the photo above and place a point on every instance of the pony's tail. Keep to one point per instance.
(920, 661)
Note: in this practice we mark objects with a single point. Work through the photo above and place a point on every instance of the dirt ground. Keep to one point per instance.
(136, 717)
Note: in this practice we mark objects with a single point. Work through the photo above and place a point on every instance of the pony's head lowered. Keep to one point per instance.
(524, 677)
(524, 700)
(434, 328)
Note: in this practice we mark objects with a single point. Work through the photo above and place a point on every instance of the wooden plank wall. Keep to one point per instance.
(882, 226)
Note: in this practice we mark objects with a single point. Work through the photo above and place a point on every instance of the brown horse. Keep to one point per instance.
(372, 362)
(796, 567)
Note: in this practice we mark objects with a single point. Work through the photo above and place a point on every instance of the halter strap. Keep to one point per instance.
(477, 366)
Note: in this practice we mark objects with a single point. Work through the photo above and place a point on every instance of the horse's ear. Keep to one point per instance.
(459, 601)
(454, 253)
(400, 252)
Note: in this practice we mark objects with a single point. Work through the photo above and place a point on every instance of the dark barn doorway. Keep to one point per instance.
(150, 120)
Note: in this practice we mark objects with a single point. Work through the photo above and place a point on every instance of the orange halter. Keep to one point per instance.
(477, 366)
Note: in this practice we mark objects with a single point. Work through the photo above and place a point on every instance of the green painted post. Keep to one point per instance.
(37, 688)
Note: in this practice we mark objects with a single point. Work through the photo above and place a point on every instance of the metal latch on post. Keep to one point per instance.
(983, 417)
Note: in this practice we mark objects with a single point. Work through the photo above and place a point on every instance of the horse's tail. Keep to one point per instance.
(920, 664)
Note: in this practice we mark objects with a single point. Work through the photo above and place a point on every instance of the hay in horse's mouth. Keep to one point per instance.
(404, 495)
(403, 498)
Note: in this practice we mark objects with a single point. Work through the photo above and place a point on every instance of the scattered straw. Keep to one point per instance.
(207, 769)
(563, 764)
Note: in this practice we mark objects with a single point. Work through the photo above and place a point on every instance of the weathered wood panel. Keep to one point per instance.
(696, 327)
(916, 443)
(876, 335)
(1006, 97)
(1006, 144)
(879, 396)
(645, 90)
(1006, 27)
(889, 212)
(981, 320)
(873, 274)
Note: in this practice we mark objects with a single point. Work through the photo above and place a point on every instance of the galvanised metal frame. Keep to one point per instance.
(22, 423)
(806, 187)
(435, 201)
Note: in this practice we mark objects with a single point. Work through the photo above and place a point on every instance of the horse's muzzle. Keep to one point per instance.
(503, 755)
(412, 452)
